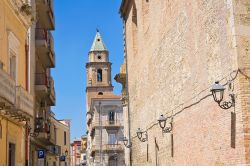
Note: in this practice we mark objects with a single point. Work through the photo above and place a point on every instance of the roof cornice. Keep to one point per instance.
(124, 7)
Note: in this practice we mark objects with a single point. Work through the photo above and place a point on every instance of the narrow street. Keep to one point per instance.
(125, 83)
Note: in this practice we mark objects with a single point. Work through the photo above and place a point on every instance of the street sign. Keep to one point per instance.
(41, 154)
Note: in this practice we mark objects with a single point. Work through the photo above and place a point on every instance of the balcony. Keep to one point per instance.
(7, 89)
(45, 131)
(45, 14)
(45, 88)
(42, 84)
(45, 47)
(24, 102)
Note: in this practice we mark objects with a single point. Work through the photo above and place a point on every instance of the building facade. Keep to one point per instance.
(16, 99)
(84, 150)
(27, 124)
(104, 110)
(75, 151)
(43, 126)
(178, 50)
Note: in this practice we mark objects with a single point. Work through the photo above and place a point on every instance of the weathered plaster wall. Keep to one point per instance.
(179, 49)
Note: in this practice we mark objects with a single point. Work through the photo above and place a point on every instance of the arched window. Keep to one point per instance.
(99, 75)
(100, 93)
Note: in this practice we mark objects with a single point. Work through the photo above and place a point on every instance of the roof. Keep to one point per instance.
(98, 44)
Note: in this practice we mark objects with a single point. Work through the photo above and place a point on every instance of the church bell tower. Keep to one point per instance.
(99, 83)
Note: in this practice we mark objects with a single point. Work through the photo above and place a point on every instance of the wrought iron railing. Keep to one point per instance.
(42, 79)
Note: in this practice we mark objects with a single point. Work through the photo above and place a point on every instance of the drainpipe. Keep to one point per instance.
(129, 124)
(26, 145)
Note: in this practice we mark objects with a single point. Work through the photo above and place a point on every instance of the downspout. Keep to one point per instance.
(129, 125)
(26, 145)
(7, 141)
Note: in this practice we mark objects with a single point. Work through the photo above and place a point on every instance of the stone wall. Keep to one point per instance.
(176, 51)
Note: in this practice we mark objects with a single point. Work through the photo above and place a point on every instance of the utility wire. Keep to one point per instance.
(186, 107)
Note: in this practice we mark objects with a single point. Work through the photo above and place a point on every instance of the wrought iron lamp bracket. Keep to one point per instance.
(228, 104)
(168, 129)
(144, 139)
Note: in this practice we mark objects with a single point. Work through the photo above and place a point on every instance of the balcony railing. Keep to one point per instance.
(52, 95)
(112, 147)
(7, 88)
(54, 149)
(45, 87)
(24, 101)
(107, 147)
(42, 125)
(107, 123)
(45, 47)
(42, 85)
(46, 132)
(42, 79)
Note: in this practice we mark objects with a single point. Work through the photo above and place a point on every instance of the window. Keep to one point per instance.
(12, 154)
(111, 116)
(13, 50)
(99, 75)
(65, 139)
(112, 139)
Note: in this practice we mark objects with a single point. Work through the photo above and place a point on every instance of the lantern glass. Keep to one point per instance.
(125, 141)
(66, 152)
(162, 121)
(139, 133)
(217, 92)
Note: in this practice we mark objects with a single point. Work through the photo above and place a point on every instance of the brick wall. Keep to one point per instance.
(179, 49)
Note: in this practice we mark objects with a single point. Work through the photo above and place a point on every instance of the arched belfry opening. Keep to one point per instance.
(99, 75)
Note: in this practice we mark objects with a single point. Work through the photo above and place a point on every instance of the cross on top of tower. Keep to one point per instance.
(98, 44)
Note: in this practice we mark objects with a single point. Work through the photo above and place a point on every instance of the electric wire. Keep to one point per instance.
(237, 71)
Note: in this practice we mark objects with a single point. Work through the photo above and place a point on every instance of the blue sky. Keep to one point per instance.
(76, 24)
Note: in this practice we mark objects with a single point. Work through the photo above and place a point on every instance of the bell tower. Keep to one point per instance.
(99, 84)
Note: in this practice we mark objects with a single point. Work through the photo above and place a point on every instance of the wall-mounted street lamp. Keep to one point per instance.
(162, 123)
(142, 135)
(66, 152)
(127, 142)
(218, 94)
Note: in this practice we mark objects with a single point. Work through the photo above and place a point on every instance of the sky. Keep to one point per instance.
(76, 24)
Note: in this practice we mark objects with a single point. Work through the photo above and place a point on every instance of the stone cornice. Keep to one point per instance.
(98, 63)
(23, 11)
(121, 78)
(125, 7)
